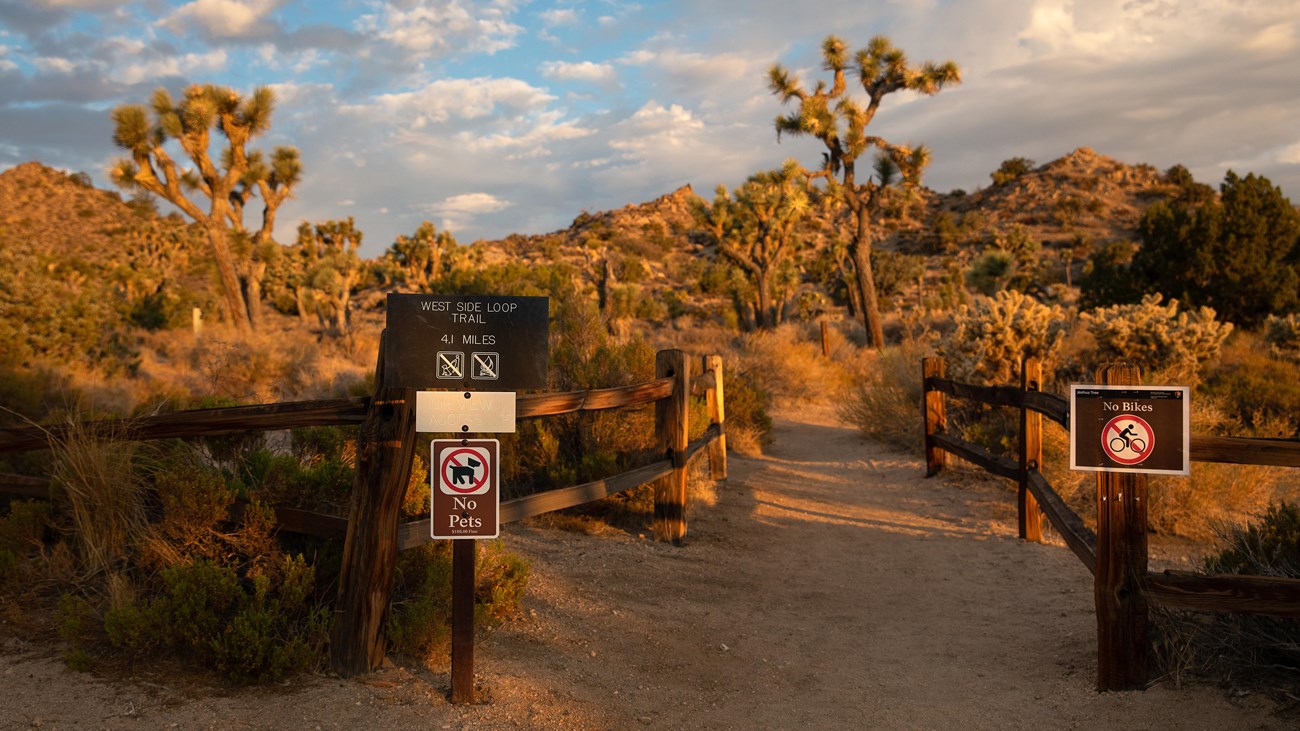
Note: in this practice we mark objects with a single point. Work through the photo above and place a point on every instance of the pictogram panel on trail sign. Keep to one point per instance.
(465, 494)
(1144, 429)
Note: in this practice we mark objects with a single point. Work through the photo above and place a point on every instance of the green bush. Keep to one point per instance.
(420, 622)
(1283, 336)
(1011, 169)
(259, 630)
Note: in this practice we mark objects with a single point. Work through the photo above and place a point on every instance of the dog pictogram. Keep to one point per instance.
(464, 475)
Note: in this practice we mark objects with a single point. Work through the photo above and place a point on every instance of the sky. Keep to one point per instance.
(492, 117)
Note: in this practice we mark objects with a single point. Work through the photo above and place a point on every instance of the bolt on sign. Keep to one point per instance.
(465, 486)
(1140, 429)
(460, 342)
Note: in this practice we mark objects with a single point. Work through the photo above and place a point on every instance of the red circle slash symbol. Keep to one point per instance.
(465, 471)
(1128, 439)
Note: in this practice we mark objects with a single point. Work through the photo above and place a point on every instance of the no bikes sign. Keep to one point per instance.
(1142, 429)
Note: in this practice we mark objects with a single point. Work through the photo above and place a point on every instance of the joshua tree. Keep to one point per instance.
(756, 230)
(419, 257)
(228, 184)
(329, 270)
(840, 123)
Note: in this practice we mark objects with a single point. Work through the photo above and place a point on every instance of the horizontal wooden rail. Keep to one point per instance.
(1237, 593)
(416, 532)
(1078, 537)
(199, 422)
(551, 404)
(297, 520)
(326, 412)
(979, 456)
(25, 486)
(1053, 407)
(1239, 450)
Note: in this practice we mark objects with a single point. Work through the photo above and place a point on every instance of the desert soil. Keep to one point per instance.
(832, 586)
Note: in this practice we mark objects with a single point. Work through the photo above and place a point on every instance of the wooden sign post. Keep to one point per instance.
(1122, 640)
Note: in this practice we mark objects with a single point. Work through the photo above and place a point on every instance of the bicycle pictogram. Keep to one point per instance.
(1125, 440)
(1128, 439)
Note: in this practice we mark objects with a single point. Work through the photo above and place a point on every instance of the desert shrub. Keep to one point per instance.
(749, 425)
(787, 364)
(1157, 337)
(1106, 277)
(420, 622)
(1255, 386)
(1283, 336)
(992, 272)
(1011, 169)
(1246, 652)
(894, 271)
(257, 630)
(883, 400)
(21, 534)
(993, 336)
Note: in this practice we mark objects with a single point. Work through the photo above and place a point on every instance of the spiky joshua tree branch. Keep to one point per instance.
(227, 183)
(828, 113)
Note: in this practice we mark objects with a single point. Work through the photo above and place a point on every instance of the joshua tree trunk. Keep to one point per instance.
(217, 236)
(861, 251)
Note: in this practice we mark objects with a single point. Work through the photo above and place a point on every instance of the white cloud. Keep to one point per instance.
(459, 211)
(596, 73)
(53, 64)
(471, 203)
(457, 99)
(559, 16)
(150, 71)
(434, 27)
(1290, 155)
(1278, 37)
(223, 18)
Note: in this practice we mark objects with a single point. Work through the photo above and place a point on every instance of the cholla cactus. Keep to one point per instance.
(995, 334)
(1283, 335)
(1155, 337)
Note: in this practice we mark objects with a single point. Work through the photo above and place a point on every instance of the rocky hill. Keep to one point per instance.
(644, 261)
(1081, 193)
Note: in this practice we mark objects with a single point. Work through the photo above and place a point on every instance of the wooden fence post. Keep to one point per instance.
(671, 433)
(933, 414)
(1031, 453)
(385, 446)
(1122, 643)
(826, 343)
(717, 415)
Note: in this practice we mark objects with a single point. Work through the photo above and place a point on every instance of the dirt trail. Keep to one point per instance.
(831, 587)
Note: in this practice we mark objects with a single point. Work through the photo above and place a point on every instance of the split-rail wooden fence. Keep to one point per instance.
(373, 532)
(1116, 554)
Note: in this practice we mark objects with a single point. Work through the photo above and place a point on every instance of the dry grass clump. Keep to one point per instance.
(883, 399)
(97, 476)
(788, 364)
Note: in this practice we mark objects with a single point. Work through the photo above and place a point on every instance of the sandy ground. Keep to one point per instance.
(831, 587)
